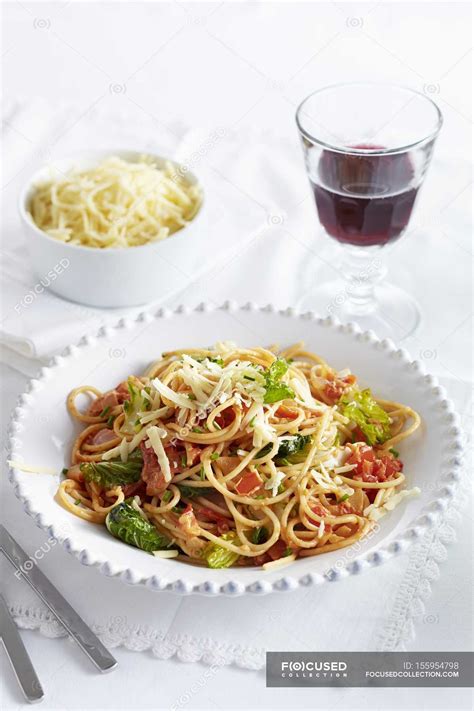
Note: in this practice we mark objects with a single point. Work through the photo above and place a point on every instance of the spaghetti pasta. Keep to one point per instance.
(237, 456)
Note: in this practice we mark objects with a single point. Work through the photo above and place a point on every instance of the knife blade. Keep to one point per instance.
(18, 656)
(61, 609)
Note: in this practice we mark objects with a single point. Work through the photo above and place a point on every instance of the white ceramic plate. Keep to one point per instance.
(42, 433)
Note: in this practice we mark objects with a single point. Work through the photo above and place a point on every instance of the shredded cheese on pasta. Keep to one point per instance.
(154, 436)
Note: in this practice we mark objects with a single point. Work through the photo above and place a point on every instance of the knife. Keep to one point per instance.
(61, 609)
(18, 656)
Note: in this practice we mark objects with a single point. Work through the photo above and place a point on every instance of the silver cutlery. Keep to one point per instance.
(18, 656)
(62, 611)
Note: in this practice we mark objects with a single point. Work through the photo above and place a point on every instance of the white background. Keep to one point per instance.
(249, 64)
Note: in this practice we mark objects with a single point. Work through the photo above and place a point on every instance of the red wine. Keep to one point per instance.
(364, 199)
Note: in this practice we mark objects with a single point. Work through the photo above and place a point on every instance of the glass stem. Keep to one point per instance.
(362, 269)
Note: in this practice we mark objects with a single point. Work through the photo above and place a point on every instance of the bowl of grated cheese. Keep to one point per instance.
(113, 226)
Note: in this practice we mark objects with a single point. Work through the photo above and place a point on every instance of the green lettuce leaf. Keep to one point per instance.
(275, 390)
(127, 524)
(371, 419)
(294, 450)
(190, 492)
(218, 557)
(114, 472)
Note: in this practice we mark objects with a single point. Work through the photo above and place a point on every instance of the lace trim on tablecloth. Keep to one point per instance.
(141, 639)
(423, 569)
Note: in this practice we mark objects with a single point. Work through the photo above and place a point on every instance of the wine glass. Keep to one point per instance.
(367, 148)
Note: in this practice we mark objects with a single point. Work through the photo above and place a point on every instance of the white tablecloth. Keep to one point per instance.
(248, 65)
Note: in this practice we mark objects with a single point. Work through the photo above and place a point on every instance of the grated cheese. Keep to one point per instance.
(117, 203)
(328, 484)
(275, 480)
(146, 417)
(263, 432)
(153, 434)
(305, 398)
(398, 497)
(177, 398)
(112, 453)
(324, 479)
(213, 385)
(374, 513)
(29, 468)
(166, 554)
(123, 450)
(280, 563)
(321, 530)
(135, 441)
(131, 446)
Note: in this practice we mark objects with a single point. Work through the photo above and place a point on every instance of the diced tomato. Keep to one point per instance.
(320, 510)
(322, 513)
(332, 392)
(393, 466)
(248, 482)
(344, 508)
(372, 466)
(225, 418)
(286, 413)
(336, 387)
(361, 453)
(358, 435)
(210, 515)
(275, 552)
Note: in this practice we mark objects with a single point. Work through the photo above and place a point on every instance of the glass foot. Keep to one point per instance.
(395, 314)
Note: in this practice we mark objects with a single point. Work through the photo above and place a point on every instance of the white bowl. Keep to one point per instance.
(109, 277)
(42, 433)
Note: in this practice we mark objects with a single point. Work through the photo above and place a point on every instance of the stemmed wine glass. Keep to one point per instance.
(367, 148)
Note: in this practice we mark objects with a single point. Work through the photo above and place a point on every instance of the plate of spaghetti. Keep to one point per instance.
(234, 450)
